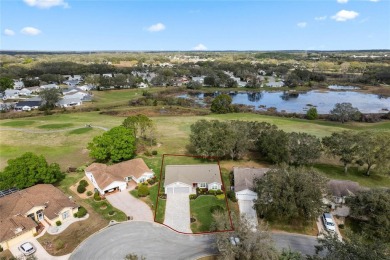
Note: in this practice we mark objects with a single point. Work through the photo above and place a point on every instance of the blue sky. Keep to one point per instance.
(82, 25)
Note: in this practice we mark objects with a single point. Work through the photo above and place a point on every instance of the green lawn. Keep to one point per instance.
(56, 126)
(18, 123)
(80, 131)
(200, 210)
(354, 174)
(104, 211)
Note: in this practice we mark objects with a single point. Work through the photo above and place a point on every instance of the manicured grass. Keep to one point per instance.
(55, 126)
(80, 131)
(354, 174)
(18, 123)
(160, 215)
(69, 180)
(200, 209)
(96, 205)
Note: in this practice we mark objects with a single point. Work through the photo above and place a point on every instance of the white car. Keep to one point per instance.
(328, 222)
(27, 248)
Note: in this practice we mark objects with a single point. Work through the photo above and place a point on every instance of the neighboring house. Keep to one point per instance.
(34, 89)
(21, 212)
(50, 86)
(198, 79)
(341, 189)
(143, 85)
(109, 178)
(86, 87)
(243, 181)
(275, 84)
(71, 82)
(186, 178)
(28, 105)
(74, 77)
(25, 92)
(18, 84)
(11, 94)
(69, 102)
(107, 75)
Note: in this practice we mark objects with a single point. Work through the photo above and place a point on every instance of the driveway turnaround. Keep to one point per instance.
(131, 206)
(177, 212)
(302, 243)
(151, 240)
(246, 209)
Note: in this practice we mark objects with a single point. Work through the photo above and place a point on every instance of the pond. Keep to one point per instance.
(294, 102)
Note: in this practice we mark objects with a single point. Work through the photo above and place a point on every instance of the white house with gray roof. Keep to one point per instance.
(186, 178)
(243, 181)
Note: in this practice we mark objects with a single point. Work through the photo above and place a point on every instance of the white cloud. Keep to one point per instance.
(200, 47)
(374, 1)
(8, 32)
(302, 24)
(30, 31)
(156, 27)
(342, 1)
(345, 15)
(320, 18)
(45, 4)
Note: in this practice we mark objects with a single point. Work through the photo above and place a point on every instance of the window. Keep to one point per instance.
(214, 187)
(65, 215)
(202, 185)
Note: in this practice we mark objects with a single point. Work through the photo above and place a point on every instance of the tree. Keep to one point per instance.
(194, 85)
(28, 170)
(373, 149)
(344, 112)
(117, 144)
(222, 104)
(312, 113)
(356, 247)
(142, 125)
(290, 194)
(49, 97)
(255, 245)
(303, 148)
(342, 144)
(273, 144)
(373, 208)
(209, 81)
(6, 83)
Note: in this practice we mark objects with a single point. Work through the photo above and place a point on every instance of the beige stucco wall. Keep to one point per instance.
(19, 239)
(34, 210)
(59, 217)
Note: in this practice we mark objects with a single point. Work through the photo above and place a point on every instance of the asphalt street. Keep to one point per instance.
(301, 243)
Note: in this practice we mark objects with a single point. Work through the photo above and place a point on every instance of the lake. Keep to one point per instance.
(295, 102)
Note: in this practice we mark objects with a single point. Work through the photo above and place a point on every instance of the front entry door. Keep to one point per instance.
(40, 215)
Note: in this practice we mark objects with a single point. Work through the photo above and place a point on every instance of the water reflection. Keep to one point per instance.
(254, 96)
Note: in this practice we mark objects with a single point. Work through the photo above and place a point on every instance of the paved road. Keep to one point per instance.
(152, 241)
(131, 206)
(301, 243)
(177, 212)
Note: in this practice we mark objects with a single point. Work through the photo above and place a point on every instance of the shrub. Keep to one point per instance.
(81, 168)
(212, 192)
(220, 196)
(232, 196)
(1, 249)
(143, 190)
(58, 223)
(75, 215)
(82, 212)
(111, 212)
(193, 196)
(312, 113)
(154, 152)
(341, 226)
(80, 189)
(59, 244)
(163, 196)
(89, 193)
(216, 208)
(147, 153)
(219, 192)
(152, 181)
(97, 197)
(83, 183)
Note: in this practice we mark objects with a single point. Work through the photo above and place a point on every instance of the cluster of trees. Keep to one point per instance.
(344, 112)
(120, 143)
(233, 139)
(300, 77)
(28, 170)
(363, 148)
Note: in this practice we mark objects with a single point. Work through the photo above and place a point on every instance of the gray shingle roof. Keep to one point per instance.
(190, 174)
(244, 177)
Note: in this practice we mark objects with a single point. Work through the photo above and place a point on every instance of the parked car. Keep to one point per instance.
(328, 222)
(27, 248)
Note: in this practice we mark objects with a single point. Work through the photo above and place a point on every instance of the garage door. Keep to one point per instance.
(174, 190)
(245, 197)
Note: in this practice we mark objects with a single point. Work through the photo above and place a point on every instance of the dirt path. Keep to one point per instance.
(34, 131)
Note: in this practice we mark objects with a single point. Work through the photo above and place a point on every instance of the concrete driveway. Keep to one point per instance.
(153, 241)
(41, 253)
(131, 206)
(247, 211)
(322, 230)
(177, 212)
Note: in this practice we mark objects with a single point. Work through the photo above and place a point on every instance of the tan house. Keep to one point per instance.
(186, 178)
(109, 178)
(21, 211)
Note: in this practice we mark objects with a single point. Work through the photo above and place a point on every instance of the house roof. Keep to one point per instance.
(190, 174)
(13, 207)
(104, 174)
(244, 177)
(342, 188)
(30, 103)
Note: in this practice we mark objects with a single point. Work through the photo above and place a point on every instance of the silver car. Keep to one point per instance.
(328, 222)
(27, 248)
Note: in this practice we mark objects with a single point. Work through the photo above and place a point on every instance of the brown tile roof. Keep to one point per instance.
(190, 174)
(104, 175)
(13, 207)
(244, 177)
(9, 226)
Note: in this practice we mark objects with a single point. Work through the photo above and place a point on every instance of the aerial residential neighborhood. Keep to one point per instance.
(199, 130)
